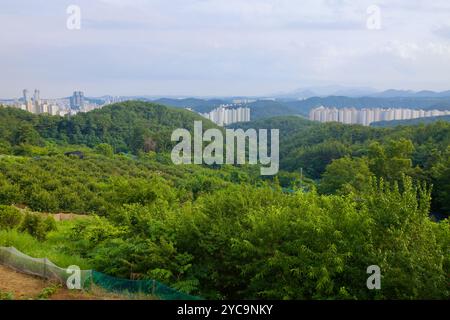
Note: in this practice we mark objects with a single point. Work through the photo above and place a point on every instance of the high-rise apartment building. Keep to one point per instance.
(27, 104)
(37, 97)
(77, 100)
(366, 116)
(225, 115)
(36, 101)
(26, 97)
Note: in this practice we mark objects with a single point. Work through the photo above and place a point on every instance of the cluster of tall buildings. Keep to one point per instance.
(77, 100)
(228, 114)
(368, 115)
(36, 105)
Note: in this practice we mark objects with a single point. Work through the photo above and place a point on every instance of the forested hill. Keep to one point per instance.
(287, 125)
(199, 105)
(129, 127)
(343, 156)
(225, 232)
(337, 156)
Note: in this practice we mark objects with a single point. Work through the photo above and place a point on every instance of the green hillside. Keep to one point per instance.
(224, 232)
(335, 152)
(127, 127)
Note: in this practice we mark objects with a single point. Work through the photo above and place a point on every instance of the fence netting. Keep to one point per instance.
(139, 287)
(44, 268)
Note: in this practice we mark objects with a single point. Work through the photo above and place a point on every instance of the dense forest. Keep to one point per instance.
(347, 197)
(128, 127)
(343, 158)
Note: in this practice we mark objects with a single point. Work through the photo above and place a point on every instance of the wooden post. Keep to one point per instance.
(45, 268)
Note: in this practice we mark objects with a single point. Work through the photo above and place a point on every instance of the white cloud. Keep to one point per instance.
(223, 46)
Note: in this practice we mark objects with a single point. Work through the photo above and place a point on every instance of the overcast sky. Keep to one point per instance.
(221, 47)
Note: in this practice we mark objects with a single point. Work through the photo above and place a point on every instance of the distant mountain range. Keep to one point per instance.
(357, 92)
(324, 91)
(412, 94)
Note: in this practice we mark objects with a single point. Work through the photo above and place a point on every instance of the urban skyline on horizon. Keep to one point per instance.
(370, 92)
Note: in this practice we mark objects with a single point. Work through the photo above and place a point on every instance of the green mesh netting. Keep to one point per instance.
(44, 268)
(146, 287)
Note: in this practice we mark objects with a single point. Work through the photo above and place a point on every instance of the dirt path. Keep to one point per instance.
(23, 286)
(57, 216)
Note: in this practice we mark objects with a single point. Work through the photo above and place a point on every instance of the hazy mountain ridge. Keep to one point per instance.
(358, 92)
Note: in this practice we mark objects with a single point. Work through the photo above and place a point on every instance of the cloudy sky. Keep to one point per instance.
(222, 47)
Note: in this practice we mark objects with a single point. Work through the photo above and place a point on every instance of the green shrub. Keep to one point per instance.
(10, 217)
(47, 292)
(42, 200)
(10, 193)
(37, 226)
(6, 295)
(49, 224)
(52, 248)
(5, 147)
(105, 149)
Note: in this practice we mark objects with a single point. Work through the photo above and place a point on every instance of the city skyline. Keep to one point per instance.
(59, 106)
(223, 48)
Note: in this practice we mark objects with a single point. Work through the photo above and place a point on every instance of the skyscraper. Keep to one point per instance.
(36, 101)
(77, 100)
(36, 97)
(27, 101)
(26, 98)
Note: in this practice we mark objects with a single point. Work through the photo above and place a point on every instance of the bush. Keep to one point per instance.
(10, 193)
(5, 147)
(37, 226)
(42, 200)
(105, 149)
(49, 224)
(52, 248)
(47, 292)
(10, 217)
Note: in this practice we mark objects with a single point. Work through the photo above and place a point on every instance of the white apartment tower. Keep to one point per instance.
(366, 116)
(224, 115)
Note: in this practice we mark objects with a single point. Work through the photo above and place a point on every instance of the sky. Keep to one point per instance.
(222, 47)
